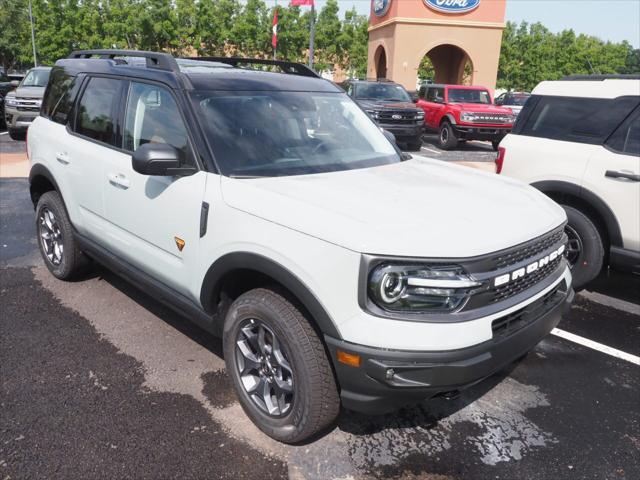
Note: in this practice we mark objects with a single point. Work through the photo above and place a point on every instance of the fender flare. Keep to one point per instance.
(593, 200)
(39, 170)
(449, 117)
(252, 261)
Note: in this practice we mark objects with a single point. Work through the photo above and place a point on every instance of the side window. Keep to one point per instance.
(350, 89)
(59, 97)
(575, 119)
(422, 92)
(98, 109)
(626, 139)
(435, 95)
(153, 117)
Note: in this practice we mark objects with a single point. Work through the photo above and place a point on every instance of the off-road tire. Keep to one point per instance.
(73, 262)
(589, 261)
(316, 402)
(447, 139)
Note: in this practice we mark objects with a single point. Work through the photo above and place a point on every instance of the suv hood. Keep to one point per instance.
(29, 92)
(418, 208)
(373, 105)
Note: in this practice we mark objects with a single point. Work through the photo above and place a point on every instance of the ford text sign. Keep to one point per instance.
(381, 7)
(452, 6)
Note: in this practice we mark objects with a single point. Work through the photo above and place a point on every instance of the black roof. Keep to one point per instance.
(208, 73)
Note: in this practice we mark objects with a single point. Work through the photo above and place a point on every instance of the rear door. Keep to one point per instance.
(613, 174)
(154, 220)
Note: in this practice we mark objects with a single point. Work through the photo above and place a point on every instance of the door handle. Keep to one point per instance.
(63, 158)
(622, 175)
(118, 180)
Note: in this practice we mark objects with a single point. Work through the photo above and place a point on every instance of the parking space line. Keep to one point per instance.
(3, 133)
(611, 302)
(430, 150)
(585, 342)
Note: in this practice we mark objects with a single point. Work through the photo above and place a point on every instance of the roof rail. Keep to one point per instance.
(292, 68)
(596, 77)
(158, 60)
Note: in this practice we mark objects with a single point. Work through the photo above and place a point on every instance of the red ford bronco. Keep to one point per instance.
(460, 113)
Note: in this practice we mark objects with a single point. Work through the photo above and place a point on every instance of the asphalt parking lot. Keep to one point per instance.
(100, 381)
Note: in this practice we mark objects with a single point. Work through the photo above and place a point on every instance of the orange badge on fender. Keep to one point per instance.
(179, 243)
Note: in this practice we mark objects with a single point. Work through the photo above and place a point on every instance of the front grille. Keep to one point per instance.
(529, 250)
(521, 284)
(492, 118)
(28, 109)
(509, 324)
(405, 118)
(27, 104)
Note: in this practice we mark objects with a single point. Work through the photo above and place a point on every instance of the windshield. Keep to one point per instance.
(36, 78)
(518, 100)
(257, 134)
(384, 92)
(464, 95)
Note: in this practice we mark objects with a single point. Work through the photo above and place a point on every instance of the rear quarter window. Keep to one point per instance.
(574, 119)
(59, 96)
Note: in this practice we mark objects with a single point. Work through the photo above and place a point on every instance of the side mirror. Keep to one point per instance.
(159, 159)
(15, 83)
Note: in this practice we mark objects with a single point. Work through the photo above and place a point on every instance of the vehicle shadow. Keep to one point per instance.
(431, 140)
(164, 313)
(426, 414)
(620, 285)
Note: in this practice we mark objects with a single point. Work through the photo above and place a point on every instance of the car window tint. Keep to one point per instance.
(58, 99)
(97, 110)
(153, 117)
(626, 139)
(573, 119)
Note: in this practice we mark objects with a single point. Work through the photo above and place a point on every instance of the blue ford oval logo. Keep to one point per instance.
(452, 6)
(381, 7)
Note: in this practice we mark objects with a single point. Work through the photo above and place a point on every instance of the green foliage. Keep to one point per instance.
(530, 53)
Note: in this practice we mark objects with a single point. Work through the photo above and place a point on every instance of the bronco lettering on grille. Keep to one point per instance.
(532, 267)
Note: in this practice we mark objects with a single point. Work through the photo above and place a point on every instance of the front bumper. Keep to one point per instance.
(403, 131)
(487, 132)
(389, 379)
(18, 119)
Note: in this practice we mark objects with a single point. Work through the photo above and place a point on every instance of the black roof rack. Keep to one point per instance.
(292, 68)
(161, 61)
(596, 77)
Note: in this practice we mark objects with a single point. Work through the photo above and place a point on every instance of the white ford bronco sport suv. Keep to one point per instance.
(578, 141)
(270, 209)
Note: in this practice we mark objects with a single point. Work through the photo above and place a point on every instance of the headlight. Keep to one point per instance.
(468, 117)
(420, 288)
(420, 115)
(373, 114)
(11, 101)
(511, 118)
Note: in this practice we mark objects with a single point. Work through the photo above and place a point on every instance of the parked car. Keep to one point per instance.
(23, 104)
(391, 106)
(271, 210)
(3, 125)
(578, 141)
(514, 101)
(6, 84)
(460, 113)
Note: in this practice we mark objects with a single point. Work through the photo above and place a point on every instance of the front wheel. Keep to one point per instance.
(279, 367)
(447, 139)
(585, 251)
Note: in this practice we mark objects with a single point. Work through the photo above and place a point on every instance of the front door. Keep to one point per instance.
(155, 220)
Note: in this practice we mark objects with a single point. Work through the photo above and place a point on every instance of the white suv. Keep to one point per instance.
(270, 209)
(578, 141)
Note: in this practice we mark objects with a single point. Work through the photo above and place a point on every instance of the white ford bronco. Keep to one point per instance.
(271, 210)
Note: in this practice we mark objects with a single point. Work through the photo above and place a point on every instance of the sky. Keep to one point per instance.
(614, 20)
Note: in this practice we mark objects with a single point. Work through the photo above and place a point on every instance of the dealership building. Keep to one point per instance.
(461, 38)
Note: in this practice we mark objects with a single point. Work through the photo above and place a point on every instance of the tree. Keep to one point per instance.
(14, 25)
(214, 25)
(251, 32)
(328, 27)
(354, 43)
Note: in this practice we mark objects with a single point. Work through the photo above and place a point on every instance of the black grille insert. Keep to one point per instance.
(517, 255)
(521, 284)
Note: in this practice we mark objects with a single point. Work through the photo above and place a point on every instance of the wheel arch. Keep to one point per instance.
(587, 202)
(238, 272)
(448, 118)
(41, 180)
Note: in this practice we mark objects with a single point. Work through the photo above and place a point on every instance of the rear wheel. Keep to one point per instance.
(279, 367)
(17, 134)
(585, 250)
(447, 139)
(415, 144)
(58, 246)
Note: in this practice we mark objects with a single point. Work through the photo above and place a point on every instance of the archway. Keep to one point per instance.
(380, 59)
(446, 64)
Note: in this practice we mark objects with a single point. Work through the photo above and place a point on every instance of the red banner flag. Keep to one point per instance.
(274, 30)
(301, 3)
